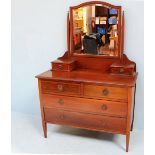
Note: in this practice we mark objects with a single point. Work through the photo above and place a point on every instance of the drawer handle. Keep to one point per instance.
(60, 67)
(104, 107)
(121, 70)
(60, 87)
(61, 101)
(104, 124)
(61, 116)
(105, 92)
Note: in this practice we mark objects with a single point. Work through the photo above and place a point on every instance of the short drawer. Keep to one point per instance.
(107, 92)
(86, 105)
(59, 87)
(122, 70)
(59, 65)
(87, 121)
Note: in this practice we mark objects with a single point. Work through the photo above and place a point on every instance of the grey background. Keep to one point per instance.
(39, 37)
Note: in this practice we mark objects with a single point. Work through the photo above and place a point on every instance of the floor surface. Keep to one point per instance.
(27, 137)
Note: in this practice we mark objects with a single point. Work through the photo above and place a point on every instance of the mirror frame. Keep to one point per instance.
(119, 8)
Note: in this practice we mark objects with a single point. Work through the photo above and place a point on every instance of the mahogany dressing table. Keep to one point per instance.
(93, 85)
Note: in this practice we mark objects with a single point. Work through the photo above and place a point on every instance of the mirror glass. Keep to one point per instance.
(95, 30)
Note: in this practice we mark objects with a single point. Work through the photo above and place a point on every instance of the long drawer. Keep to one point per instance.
(106, 92)
(86, 105)
(87, 121)
(60, 87)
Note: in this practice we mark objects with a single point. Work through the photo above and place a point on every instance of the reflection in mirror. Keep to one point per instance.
(95, 30)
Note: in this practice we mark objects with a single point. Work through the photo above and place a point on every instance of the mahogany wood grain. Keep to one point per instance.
(62, 65)
(90, 76)
(95, 2)
(119, 31)
(44, 124)
(122, 70)
(133, 112)
(89, 121)
(124, 66)
(60, 87)
(122, 36)
(128, 126)
(102, 107)
(71, 32)
(68, 35)
(87, 62)
(106, 92)
(90, 92)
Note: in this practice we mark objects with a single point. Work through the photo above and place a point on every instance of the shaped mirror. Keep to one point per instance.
(95, 30)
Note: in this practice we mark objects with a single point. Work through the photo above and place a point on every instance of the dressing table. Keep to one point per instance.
(92, 86)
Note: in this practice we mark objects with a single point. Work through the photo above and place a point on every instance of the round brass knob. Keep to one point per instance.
(60, 87)
(61, 116)
(61, 101)
(60, 67)
(104, 107)
(104, 124)
(121, 70)
(105, 92)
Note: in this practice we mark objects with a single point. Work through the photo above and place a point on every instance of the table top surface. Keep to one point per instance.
(89, 76)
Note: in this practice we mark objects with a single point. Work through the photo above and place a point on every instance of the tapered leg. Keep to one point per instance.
(132, 126)
(127, 141)
(44, 124)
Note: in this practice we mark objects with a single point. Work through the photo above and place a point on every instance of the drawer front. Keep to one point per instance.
(60, 67)
(120, 70)
(50, 87)
(63, 66)
(117, 93)
(88, 121)
(86, 105)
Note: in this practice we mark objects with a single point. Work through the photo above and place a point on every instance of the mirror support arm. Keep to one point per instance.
(122, 37)
(68, 35)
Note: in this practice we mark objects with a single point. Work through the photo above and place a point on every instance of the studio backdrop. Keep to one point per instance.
(39, 37)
